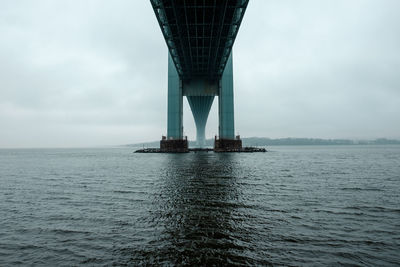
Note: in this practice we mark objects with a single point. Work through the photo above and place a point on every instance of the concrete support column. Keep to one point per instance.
(175, 102)
(225, 103)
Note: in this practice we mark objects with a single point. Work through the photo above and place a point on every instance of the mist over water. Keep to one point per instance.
(291, 206)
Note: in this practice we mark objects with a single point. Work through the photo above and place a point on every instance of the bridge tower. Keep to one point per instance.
(200, 36)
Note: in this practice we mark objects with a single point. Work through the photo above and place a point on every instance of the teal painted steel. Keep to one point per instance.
(200, 36)
(226, 105)
(200, 87)
(200, 106)
(175, 102)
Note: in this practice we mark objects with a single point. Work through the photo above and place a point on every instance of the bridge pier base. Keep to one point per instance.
(228, 145)
(174, 146)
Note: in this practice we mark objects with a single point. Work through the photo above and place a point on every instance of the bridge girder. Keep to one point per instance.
(200, 34)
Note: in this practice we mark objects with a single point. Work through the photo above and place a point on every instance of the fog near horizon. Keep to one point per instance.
(92, 73)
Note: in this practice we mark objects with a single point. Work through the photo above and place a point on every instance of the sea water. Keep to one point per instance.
(296, 206)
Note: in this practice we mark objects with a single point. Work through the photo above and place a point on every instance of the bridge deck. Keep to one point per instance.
(199, 33)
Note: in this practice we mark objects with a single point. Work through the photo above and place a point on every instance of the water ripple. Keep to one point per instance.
(292, 207)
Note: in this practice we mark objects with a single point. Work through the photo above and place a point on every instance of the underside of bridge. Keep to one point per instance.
(200, 35)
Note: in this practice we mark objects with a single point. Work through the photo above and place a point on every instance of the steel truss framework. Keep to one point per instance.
(200, 34)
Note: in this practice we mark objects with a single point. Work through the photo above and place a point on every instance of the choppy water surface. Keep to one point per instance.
(290, 206)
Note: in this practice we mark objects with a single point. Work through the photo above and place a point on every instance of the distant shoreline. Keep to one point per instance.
(263, 141)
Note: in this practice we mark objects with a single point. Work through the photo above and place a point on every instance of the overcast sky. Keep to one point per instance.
(90, 73)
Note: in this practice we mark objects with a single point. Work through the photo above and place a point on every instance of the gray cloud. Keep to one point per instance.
(84, 73)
